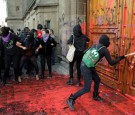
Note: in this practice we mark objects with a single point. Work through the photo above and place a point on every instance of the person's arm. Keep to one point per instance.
(53, 44)
(109, 59)
(39, 47)
(18, 44)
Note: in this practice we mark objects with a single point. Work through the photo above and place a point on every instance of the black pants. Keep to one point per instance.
(43, 60)
(77, 58)
(0, 66)
(8, 60)
(32, 59)
(89, 75)
(0, 73)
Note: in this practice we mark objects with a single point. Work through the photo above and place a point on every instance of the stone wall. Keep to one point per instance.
(62, 14)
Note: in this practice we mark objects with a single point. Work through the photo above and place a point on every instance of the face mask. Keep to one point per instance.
(108, 44)
(4, 34)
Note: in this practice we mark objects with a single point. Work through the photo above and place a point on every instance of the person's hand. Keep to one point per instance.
(36, 51)
(121, 57)
(24, 48)
(40, 46)
(52, 44)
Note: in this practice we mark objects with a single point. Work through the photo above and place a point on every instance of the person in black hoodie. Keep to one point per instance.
(0, 65)
(80, 41)
(30, 48)
(90, 74)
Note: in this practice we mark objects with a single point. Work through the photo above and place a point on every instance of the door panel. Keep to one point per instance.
(116, 18)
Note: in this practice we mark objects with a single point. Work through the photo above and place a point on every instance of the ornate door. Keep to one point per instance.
(116, 18)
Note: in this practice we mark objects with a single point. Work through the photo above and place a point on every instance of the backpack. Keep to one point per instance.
(91, 56)
(39, 34)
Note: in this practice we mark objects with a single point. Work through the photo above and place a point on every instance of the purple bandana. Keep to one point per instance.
(6, 39)
(45, 37)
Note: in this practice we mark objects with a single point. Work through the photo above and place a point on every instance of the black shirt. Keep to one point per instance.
(10, 47)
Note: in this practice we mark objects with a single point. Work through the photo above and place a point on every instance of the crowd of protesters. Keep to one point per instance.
(22, 50)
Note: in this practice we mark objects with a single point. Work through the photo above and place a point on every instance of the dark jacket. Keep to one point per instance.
(46, 49)
(10, 47)
(79, 42)
(79, 39)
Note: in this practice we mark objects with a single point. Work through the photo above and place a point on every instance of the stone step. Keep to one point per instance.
(61, 68)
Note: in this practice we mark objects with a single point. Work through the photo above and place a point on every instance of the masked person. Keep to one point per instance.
(9, 42)
(29, 47)
(89, 73)
(80, 41)
(47, 43)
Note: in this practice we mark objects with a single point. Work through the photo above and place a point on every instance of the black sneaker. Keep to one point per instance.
(42, 76)
(70, 103)
(98, 98)
(70, 82)
(3, 83)
(50, 76)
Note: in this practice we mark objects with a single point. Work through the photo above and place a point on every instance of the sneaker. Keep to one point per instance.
(37, 77)
(3, 83)
(70, 103)
(42, 76)
(19, 79)
(50, 76)
(78, 84)
(70, 82)
(98, 98)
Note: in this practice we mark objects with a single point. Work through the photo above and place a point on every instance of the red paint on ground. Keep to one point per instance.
(48, 97)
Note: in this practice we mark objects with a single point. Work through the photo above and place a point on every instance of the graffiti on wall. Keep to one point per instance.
(66, 25)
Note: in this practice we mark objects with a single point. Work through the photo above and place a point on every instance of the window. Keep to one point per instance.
(17, 8)
(47, 23)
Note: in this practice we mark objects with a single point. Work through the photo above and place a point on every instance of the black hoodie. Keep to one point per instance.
(80, 39)
(104, 52)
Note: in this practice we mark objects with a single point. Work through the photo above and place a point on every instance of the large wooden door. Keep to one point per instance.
(116, 18)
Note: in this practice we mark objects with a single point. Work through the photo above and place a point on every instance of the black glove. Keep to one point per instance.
(121, 57)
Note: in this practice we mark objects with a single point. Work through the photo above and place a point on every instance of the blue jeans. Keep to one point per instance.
(89, 74)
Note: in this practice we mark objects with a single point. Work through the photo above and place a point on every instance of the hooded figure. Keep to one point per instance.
(79, 41)
(104, 39)
(77, 31)
(89, 73)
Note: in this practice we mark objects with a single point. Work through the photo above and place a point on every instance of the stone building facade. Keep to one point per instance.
(59, 15)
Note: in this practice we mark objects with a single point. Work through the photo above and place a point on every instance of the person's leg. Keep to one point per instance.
(96, 80)
(29, 67)
(0, 68)
(15, 65)
(7, 61)
(22, 62)
(34, 62)
(86, 73)
(42, 63)
(0, 74)
(53, 56)
(71, 72)
(78, 63)
(49, 65)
